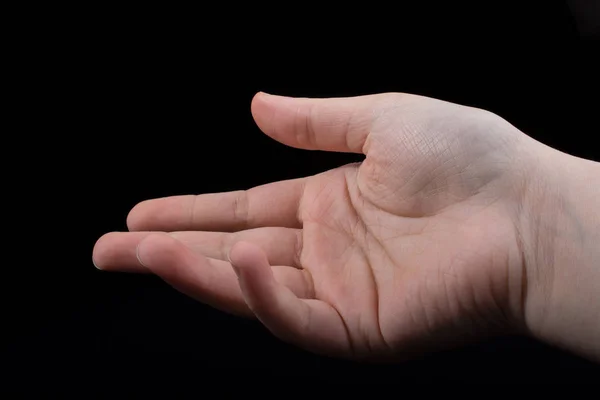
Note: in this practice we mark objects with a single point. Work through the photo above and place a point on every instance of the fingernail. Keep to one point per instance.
(271, 95)
(95, 265)
(137, 255)
(235, 269)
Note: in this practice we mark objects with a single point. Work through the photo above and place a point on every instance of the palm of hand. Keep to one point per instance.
(416, 240)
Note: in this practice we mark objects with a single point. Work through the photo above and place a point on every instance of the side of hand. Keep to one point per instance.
(425, 244)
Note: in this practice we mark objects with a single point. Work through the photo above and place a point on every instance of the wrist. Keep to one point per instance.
(560, 226)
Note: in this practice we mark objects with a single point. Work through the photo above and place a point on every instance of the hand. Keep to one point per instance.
(418, 247)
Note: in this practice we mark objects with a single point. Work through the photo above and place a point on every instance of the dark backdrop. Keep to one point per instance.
(140, 103)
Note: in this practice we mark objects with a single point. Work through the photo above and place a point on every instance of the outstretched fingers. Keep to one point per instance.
(273, 204)
(208, 280)
(190, 273)
(116, 251)
(334, 124)
(282, 245)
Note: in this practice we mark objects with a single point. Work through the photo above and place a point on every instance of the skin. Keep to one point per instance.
(455, 226)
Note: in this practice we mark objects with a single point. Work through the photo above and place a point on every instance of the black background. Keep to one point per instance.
(141, 103)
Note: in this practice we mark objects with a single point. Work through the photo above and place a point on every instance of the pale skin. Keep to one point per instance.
(456, 225)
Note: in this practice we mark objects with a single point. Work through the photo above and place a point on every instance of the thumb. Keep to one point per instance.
(335, 124)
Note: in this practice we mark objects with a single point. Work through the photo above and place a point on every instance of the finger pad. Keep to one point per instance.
(259, 109)
(116, 251)
(159, 250)
(160, 214)
(247, 255)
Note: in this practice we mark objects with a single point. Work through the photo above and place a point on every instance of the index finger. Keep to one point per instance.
(274, 204)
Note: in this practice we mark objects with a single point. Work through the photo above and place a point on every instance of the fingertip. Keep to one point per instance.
(101, 253)
(247, 255)
(251, 265)
(134, 217)
(263, 107)
(96, 251)
(266, 97)
(257, 108)
(156, 248)
(275, 305)
(260, 95)
(95, 264)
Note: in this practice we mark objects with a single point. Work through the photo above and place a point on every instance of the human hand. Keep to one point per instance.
(420, 246)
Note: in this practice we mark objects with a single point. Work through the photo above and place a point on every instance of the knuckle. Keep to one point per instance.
(298, 249)
(192, 222)
(304, 126)
(241, 208)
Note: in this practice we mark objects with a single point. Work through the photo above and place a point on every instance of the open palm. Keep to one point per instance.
(414, 248)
